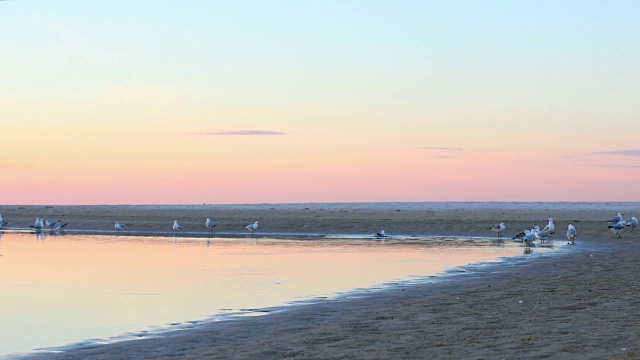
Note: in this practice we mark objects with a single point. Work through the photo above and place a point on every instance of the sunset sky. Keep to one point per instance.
(191, 102)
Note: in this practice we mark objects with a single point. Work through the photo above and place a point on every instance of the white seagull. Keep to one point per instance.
(60, 227)
(176, 227)
(528, 238)
(498, 228)
(51, 224)
(210, 225)
(541, 235)
(617, 228)
(633, 223)
(120, 227)
(39, 224)
(572, 234)
(550, 228)
(252, 227)
(617, 218)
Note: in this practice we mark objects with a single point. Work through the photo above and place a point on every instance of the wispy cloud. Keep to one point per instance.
(444, 157)
(244, 132)
(441, 148)
(622, 166)
(618, 153)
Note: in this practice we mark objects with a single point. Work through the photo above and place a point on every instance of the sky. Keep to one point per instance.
(169, 102)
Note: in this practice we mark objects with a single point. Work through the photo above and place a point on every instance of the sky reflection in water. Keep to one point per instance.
(57, 290)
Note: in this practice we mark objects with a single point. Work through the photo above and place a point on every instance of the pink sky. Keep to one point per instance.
(125, 103)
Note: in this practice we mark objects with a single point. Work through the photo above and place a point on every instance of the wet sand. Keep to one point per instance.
(581, 303)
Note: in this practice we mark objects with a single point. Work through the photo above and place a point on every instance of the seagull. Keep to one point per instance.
(550, 228)
(616, 219)
(120, 227)
(210, 225)
(617, 228)
(381, 234)
(633, 223)
(60, 226)
(520, 235)
(252, 227)
(498, 228)
(572, 234)
(529, 238)
(51, 224)
(176, 227)
(541, 235)
(39, 224)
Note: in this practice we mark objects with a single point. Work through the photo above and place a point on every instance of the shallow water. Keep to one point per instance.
(57, 290)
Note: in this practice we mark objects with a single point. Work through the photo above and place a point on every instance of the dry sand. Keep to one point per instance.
(581, 303)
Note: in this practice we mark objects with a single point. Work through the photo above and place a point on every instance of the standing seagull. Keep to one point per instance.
(633, 223)
(51, 224)
(617, 228)
(252, 227)
(176, 227)
(60, 227)
(617, 218)
(541, 235)
(498, 228)
(120, 227)
(550, 228)
(528, 238)
(572, 234)
(39, 224)
(520, 235)
(210, 225)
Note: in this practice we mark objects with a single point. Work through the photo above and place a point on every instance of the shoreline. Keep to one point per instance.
(582, 303)
(434, 219)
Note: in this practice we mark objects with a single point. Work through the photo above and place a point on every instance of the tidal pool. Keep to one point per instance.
(59, 290)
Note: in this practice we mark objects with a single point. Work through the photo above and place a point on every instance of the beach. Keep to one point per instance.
(581, 302)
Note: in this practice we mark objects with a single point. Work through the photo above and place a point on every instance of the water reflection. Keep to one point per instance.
(79, 286)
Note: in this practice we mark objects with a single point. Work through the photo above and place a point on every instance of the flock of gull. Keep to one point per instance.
(530, 236)
(58, 226)
(41, 224)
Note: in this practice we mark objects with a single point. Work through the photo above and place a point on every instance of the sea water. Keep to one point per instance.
(59, 290)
